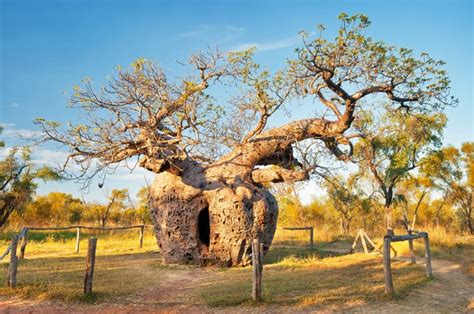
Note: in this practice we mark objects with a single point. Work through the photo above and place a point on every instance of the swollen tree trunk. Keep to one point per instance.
(201, 218)
(211, 214)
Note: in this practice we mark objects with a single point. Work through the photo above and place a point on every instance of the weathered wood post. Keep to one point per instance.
(90, 261)
(257, 266)
(369, 240)
(387, 270)
(364, 244)
(429, 271)
(141, 235)
(24, 242)
(354, 244)
(311, 237)
(412, 249)
(78, 239)
(12, 267)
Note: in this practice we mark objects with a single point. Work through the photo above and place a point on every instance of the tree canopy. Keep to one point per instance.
(161, 121)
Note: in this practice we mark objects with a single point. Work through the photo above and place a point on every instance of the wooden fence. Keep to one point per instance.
(23, 235)
(90, 259)
(413, 235)
(311, 233)
(257, 255)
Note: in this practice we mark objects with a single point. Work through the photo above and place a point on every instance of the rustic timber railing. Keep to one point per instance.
(90, 259)
(311, 233)
(23, 235)
(412, 235)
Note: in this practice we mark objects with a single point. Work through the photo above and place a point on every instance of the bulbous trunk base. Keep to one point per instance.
(205, 221)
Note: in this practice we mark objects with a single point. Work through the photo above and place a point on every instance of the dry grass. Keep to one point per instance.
(297, 276)
(62, 244)
(311, 281)
(52, 270)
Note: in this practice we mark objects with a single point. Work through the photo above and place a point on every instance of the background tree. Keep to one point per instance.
(208, 173)
(452, 172)
(390, 148)
(116, 203)
(348, 200)
(17, 180)
(53, 209)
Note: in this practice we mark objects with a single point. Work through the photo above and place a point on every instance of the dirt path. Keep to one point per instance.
(451, 292)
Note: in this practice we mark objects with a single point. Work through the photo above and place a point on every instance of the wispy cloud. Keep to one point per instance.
(269, 45)
(49, 157)
(10, 105)
(12, 133)
(196, 32)
(202, 30)
(235, 28)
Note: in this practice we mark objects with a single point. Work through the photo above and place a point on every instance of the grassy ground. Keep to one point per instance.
(444, 245)
(293, 275)
(313, 280)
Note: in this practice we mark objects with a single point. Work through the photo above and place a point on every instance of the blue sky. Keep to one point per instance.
(49, 46)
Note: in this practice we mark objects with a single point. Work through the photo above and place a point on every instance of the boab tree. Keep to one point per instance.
(211, 160)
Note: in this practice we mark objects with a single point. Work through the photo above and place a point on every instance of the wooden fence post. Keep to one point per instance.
(78, 239)
(387, 270)
(364, 244)
(364, 234)
(24, 242)
(311, 237)
(257, 265)
(12, 267)
(90, 261)
(412, 249)
(354, 244)
(429, 271)
(141, 236)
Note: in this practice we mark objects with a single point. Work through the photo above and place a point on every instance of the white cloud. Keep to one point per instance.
(10, 105)
(236, 28)
(267, 46)
(7, 125)
(19, 133)
(49, 157)
(195, 32)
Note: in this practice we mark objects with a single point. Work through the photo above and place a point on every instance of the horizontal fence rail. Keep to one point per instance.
(310, 229)
(24, 231)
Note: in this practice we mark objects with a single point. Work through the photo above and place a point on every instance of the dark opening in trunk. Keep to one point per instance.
(204, 228)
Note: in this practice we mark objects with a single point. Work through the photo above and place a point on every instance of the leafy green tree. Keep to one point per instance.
(18, 178)
(452, 171)
(392, 146)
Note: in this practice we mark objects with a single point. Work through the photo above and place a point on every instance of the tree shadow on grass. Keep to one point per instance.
(277, 254)
(335, 282)
(62, 278)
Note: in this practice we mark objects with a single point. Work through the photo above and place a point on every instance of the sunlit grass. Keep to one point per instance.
(62, 244)
(312, 280)
(293, 275)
